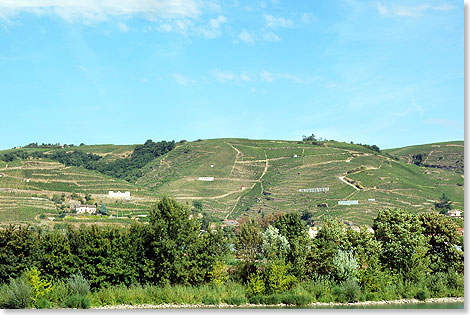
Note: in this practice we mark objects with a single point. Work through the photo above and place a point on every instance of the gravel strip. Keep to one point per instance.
(223, 305)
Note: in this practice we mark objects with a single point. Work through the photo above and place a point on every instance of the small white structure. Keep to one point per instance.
(85, 209)
(321, 189)
(212, 165)
(27, 180)
(206, 179)
(294, 156)
(126, 195)
(313, 231)
(371, 199)
(243, 187)
(348, 202)
(454, 213)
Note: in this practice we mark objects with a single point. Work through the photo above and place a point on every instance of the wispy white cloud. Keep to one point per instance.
(101, 10)
(271, 37)
(277, 22)
(183, 80)
(306, 18)
(123, 27)
(223, 76)
(409, 10)
(270, 77)
(246, 37)
(187, 27)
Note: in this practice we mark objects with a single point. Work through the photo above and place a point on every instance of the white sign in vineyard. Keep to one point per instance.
(206, 179)
(348, 202)
(321, 189)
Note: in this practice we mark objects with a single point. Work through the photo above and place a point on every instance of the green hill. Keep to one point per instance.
(28, 186)
(273, 176)
(250, 177)
(445, 155)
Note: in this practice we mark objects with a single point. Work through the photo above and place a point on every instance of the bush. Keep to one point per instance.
(17, 294)
(257, 299)
(255, 284)
(352, 290)
(77, 284)
(277, 278)
(422, 294)
(236, 300)
(219, 273)
(273, 299)
(345, 265)
(211, 300)
(77, 301)
(295, 299)
(42, 303)
(347, 291)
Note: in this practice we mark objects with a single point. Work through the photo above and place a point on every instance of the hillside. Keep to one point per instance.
(250, 177)
(445, 155)
(27, 187)
(273, 176)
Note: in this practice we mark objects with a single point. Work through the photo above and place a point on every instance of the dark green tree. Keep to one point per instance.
(404, 246)
(291, 227)
(444, 238)
(103, 210)
(174, 242)
(443, 204)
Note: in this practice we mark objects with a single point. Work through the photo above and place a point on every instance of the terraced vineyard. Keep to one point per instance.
(447, 155)
(27, 186)
(274, 171)
(250, 177)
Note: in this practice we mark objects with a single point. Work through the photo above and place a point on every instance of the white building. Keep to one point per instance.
(126, 195)
(85, 209)
(454, 213)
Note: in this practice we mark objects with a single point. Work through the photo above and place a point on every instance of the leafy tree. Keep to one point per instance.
(103, 210)
(249, 241)
(443, 238)
(20, 249)
(274, 244)
(418, 159)
(56, 260)
(309, 138)
(197, 204)
(346, 266)
(248, 247)
(291, 227)
(404, 246)
(329, 239)
(443, 204)
(174, 242)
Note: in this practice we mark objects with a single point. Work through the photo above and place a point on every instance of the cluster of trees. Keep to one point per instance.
(50, 145)
(129, 168)
(270, 256)
(170, 249)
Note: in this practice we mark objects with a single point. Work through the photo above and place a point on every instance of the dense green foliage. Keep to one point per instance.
(125, 168)
(407, 256)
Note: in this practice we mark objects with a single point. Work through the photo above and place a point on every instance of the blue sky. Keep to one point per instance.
(389, 73)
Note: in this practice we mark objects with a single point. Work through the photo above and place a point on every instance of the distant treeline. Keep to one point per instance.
(50, 145)
(126, 168)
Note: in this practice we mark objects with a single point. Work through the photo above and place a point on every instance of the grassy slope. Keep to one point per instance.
(273, 179)
(444, 154)
(268, 170)
(23, 182)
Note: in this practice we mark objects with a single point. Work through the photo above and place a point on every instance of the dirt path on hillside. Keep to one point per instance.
(236, 157)
(341, 178)
(213, 197)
